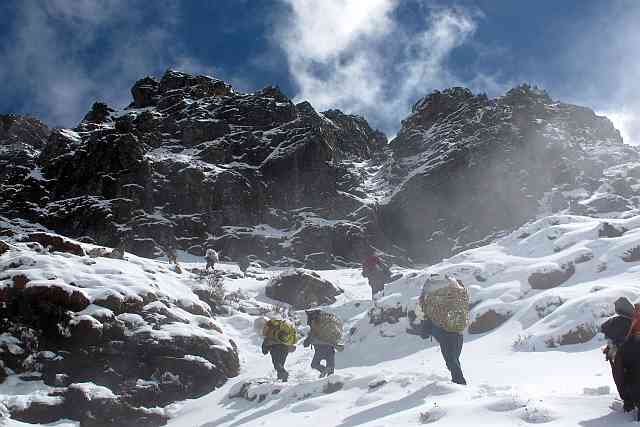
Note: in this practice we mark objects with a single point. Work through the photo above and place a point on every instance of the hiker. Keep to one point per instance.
(325, 335)
(279, 341)
(377, 272)
(212, 258)
(445, 304)
(243, 264)
(615, 331)
(631, 365)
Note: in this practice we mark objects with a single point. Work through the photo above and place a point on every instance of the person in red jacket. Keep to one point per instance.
(377, 272)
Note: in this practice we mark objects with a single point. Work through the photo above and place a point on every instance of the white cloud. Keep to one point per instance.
(357, 56)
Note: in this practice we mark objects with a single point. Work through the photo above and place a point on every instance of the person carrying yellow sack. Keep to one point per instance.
(279, 340)
(325, 335)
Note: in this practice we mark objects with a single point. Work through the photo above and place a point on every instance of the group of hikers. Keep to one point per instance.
(325, 335)
(442, 313)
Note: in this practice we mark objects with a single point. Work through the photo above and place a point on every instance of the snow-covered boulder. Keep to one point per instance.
(132, 325)
(302, 289)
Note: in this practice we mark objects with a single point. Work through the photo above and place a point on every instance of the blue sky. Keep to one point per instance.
(370, 57)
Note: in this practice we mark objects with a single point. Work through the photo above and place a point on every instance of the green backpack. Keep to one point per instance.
(281, 331)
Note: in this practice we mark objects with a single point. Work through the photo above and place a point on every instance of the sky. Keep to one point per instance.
(375, 58)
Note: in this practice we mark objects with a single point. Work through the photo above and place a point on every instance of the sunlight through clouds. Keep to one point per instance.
(356, 56)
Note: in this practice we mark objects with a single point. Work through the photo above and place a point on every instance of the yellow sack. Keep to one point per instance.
(448, 308)
(281, 331)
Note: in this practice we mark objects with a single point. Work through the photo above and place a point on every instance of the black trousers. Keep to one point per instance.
(451, 348)
(279, 353)
(326, 353)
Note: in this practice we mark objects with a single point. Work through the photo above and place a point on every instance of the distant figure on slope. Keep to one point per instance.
(279, 341)
(444, 303)
(325, 336)
(212, 258)
(615, 331)
(243, 264)
(378, 273)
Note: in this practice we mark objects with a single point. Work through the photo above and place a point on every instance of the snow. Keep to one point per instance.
(558, 385)
(519, 373)
(93, 391)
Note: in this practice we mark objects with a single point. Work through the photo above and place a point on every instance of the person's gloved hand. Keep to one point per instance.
(307, 342)
(265, 348)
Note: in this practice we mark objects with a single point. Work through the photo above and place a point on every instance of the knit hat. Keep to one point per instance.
(623, 307)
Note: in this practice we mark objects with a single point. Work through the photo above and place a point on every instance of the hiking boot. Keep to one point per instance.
(628, 406)
(283, 376)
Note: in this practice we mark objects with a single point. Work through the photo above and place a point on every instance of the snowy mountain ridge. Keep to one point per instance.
(192, 163)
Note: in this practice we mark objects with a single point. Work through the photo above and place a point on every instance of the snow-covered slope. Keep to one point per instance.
(531, 354)
(541, 365)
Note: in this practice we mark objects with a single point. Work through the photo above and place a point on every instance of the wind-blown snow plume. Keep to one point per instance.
(358, 57)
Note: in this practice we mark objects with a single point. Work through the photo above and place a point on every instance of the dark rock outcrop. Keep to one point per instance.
(125, 352)
(191, 164)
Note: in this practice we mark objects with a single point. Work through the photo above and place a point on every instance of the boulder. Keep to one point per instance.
(581, 334)
(56, 294)
(4, 247)
(608, 230)
(97, 406)
(302, 289)
(550, 278)
(487, 321)
(56, 243)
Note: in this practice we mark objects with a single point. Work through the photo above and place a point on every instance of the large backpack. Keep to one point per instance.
(281, 331)
(448, 308)
(327, 327)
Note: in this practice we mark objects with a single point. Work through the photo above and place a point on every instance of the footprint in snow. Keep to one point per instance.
(536, 414)
(507, 404)
(596, 391)
(432, 415)
(440, 388)
(307, 406)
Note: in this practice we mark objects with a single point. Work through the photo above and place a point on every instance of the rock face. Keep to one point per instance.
(302, 289)
(105, 333)
(192, 164)
(468, 167)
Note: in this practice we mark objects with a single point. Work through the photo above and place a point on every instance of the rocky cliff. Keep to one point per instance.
(191, 163)
(467, 168)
